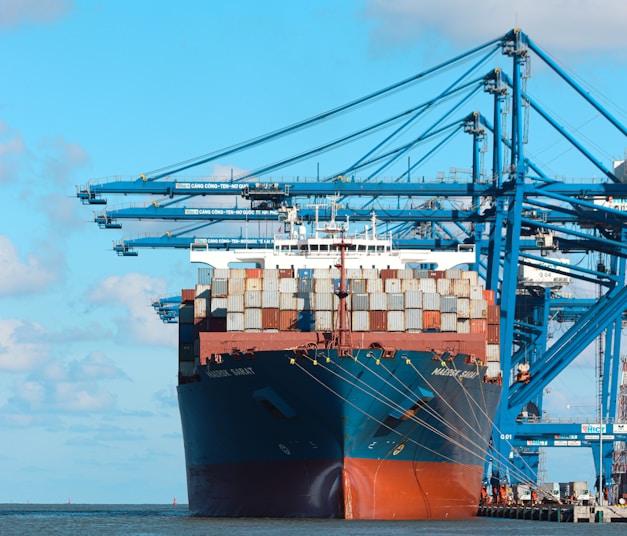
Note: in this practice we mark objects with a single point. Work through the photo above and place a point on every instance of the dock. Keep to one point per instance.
(557, 512)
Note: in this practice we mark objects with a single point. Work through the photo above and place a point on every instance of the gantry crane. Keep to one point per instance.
(530, 225)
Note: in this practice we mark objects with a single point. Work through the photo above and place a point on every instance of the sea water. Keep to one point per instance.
(159, 520)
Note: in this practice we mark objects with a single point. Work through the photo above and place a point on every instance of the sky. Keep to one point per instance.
(94, 89)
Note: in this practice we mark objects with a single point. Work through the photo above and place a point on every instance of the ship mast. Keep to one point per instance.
(342, 334)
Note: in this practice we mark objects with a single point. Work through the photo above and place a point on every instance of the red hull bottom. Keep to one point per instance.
(361, 489)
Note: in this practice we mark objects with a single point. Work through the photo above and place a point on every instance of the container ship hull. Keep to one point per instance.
(398, 429)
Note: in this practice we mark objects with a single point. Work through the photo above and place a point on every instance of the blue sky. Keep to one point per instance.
(94, 89)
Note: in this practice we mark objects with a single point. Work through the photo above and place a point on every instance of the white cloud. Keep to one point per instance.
(21, 348)
(55, 387)
(16, 12)
(570, 26)
(135, 293)
(23, 277)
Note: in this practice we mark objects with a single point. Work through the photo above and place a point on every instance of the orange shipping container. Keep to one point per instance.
(494, 314)
(188, 294)
(254, 273)
(288, 320)
(488, 295)
(431, 320)
(378, 320)
(269, 318)
(478, 325)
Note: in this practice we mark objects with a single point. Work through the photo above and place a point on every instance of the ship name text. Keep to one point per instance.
(445, 371)
(227, 373)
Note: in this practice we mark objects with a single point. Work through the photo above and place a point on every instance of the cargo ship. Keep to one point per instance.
(332, 376)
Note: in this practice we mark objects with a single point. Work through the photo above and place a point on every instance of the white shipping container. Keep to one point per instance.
(374, 285)
(252, 319)
(234, 321)
(335, 273)
(360, 321)
(369, 273)
(463, 307)
(323, 321)
(461, 288)
(321, 273)
(396, 321)
(410, 284)
(431, 301)
(235, 303)
(237, 273)
(358, 286)
(221, 273)
(323, 301)
(252, 298)
(270, 273)
(448, 304)
(448, 322)
(200, 307)
(444, 286)
(218, 307)
(254, 283)
(428, 285)
(463, 325)
(453, 273)
(378, 301)
(360, 302)
(323, 285)
(393, 285)
(413, 320)
(478, 309)
(271, 283)
(413, 299)
(405, 273)
(396, 302)
(472, 276)
(493, 353)
(476, 292)
(288, 284)
(270, 299)
(353, 273)
(219, 287)
(287, 301)
(493, 370)
(237, 286)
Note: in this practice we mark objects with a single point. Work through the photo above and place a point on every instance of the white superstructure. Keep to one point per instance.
(295, 249)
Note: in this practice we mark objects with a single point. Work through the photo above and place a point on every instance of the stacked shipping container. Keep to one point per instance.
(406, 300)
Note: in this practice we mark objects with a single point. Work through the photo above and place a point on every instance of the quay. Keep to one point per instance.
(559, 513)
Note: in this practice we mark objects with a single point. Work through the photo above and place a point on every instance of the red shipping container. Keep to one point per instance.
(254, 273)
(378, 320)
(431, 320)
(188, 294)
(269, 318)
(288, 320)
(437, 274)
(494, 334)
(286, 272)
(494, 314)
(478, 325)
(388, 273)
